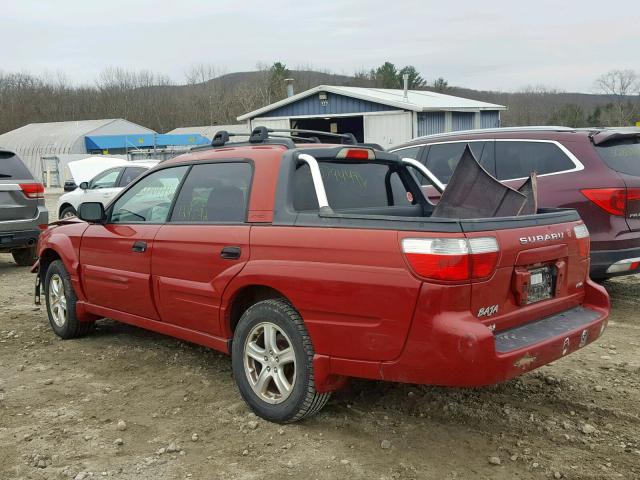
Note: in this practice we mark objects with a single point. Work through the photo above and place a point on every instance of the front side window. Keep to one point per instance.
(214, 192)
(149, 200)
(519, 159)
(443, 158)
(411, 152)
(106, 179)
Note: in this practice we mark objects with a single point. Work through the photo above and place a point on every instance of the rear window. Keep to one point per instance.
(12, 167)
(351, 185)
(622, 156)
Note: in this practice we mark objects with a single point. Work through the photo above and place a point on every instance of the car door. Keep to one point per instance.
(115, 257)
(203, 245)
(103, 187)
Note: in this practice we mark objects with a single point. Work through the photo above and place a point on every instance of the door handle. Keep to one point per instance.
(231, 253)
(139, 247)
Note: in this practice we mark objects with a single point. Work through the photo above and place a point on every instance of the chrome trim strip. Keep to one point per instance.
(578, 166)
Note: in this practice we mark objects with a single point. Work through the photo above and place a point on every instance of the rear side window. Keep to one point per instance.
(214, 192)
(350, 185)
(519, 159)
(622, 156)
(12, 167)
(443, 158)
(130, 174)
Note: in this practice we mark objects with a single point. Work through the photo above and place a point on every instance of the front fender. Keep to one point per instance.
(63, 242)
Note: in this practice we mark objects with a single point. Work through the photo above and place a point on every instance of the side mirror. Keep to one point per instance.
(91, 212)
(84, 185)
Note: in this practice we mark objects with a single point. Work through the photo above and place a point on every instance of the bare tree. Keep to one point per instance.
(621, 86)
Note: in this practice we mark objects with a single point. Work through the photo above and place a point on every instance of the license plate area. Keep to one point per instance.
(541, 284)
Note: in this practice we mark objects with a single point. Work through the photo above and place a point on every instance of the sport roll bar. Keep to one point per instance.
(437, 184)
(316, 177)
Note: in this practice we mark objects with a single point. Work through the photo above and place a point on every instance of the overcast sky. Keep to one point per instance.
(496, 45)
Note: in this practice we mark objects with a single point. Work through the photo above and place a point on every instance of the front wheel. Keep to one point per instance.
(68, 212)
(61, 303)
(272, 358)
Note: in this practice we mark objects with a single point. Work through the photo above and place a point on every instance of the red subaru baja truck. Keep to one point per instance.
(312, 263)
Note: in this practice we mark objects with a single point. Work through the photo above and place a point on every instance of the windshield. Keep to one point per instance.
(622, 155)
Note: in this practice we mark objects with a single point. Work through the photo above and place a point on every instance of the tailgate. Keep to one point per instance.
(14, 205)
(541, 271)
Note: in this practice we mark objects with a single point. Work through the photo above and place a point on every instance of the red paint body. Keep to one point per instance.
(367, 313)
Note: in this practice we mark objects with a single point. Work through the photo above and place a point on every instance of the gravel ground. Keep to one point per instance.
(126, 403)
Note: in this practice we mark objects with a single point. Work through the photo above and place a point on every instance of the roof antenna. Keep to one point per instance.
(405, 79)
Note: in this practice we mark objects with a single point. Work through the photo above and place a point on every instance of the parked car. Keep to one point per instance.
(23, 214)
(103, 187)
(310, 264)
(596, 171)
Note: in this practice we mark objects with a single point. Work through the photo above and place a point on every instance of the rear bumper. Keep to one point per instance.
(462, 352)
(19, 239)
(602, 261)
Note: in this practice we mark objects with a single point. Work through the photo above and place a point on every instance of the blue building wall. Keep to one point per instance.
(147, 140)
(490, 119)
(335, 104)
(462, 121)
(430, 123)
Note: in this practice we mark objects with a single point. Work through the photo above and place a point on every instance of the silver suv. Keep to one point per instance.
(22, 211)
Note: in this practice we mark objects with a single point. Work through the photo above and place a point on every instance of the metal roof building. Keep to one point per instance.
(378, 115)
(35, 140)
(210, 130)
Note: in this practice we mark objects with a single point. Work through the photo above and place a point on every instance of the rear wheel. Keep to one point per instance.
(272, 358)
(61, 303)
(25, 257)
(67, 212)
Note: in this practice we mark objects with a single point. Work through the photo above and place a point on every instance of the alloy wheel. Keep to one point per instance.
(270, 362)
(57, 300)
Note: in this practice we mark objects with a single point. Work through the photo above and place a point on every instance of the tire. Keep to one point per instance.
(25, 257)
(66, 212)
(60, 299)
(293, 345)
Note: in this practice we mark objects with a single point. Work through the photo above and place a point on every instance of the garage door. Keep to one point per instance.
(270, 123)
(388, 129)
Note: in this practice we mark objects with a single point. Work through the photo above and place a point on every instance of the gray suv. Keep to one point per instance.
(22, 211)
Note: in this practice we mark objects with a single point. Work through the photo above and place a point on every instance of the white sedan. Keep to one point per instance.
(103, 187)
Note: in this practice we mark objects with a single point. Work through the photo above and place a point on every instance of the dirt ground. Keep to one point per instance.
(126, 403)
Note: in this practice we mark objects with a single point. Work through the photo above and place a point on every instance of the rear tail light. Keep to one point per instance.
(356, 154)
(612, 200)
(452, 259)
(627, 265)
(584, 242)
(484, 256)
(32, 190)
